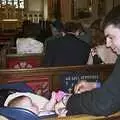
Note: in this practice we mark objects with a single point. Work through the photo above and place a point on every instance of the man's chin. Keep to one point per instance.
(117, 52)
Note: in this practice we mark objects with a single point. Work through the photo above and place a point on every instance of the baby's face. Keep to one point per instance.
(28, 104)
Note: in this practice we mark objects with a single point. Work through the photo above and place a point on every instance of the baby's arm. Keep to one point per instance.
(55, 98)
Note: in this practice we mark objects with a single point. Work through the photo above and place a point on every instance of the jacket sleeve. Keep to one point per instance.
(101, 101)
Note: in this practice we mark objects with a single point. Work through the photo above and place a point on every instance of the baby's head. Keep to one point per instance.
(24, 102)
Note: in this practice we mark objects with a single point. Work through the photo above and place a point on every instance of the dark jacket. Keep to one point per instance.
(102, 101)
(67, 50)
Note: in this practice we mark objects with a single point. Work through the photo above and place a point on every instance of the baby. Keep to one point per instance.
(24, 102)
(35, 103)
(40, 105)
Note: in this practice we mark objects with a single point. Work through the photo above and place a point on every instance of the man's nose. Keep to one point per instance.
(108, 42)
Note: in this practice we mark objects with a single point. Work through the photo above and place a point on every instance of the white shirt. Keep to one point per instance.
(28, 45)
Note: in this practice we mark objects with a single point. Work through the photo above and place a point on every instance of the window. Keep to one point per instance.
(82, 9)
(16, 3)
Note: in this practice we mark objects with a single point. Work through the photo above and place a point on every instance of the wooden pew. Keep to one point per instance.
(12, 60)
(7, 38)
(20, 61)
(55, 78)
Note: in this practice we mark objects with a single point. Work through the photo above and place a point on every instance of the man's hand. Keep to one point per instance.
(60, 109)
(84, 86)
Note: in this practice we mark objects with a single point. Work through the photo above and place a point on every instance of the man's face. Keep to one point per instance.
(112, 35)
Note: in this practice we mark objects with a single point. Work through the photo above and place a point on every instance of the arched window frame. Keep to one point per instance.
(16, 3)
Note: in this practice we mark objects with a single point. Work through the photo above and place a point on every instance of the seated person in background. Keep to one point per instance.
(45, 30)
(105, 100)
(66, 50)
(59, 32)
(28, 42)
(100, 54)
(56, 27)
(84, 33)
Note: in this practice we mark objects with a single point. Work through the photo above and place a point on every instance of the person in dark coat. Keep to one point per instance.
(106, 99)
(67, 50)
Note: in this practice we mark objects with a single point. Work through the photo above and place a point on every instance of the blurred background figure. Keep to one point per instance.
(45, 27)
(68, 49)
(56, 27)
(84, 33)
(99, 54)
(29, 40)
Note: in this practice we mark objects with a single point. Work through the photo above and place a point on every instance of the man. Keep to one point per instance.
(106, 99)
(67, 50)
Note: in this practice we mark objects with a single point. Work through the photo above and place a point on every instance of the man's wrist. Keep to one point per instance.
(98, 84)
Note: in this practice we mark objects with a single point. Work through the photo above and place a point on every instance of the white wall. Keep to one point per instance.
(81, 4)
(109, 5)
(35, 5)
(45, 10)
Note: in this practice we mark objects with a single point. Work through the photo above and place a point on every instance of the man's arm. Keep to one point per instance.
(102, 101)
(84, 86)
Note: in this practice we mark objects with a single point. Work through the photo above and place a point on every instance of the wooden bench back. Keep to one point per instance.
(7, 38)
(12, 60)
(20, 61)
(55, 78)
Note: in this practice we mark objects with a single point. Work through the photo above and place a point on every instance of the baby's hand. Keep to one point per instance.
(59, 95)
